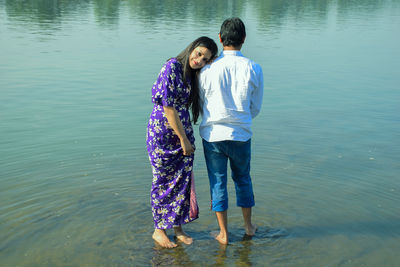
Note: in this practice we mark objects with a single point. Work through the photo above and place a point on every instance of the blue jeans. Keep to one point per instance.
(216, 155)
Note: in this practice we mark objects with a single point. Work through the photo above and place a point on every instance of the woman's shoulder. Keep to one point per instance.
(173, 63)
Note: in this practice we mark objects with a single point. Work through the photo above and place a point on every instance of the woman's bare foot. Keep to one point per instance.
(220, 237)
(182, 236)
(162, 239)
(185, 239)
(251, 230)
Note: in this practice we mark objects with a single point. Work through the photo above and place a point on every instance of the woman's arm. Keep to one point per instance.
(176, 125)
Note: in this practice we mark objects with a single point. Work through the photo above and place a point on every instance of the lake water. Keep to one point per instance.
(75, 92)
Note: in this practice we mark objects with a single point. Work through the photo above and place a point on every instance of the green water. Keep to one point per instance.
(75, 94)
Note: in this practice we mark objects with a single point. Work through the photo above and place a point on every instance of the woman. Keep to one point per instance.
(170, 139)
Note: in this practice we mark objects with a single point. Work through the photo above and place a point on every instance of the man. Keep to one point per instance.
(231, 90)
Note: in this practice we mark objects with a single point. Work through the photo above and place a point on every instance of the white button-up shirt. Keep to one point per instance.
(231, 92)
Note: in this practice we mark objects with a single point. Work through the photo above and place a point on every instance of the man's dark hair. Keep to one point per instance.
(232, 32)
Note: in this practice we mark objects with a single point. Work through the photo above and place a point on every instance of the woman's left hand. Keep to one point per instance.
(187, 147)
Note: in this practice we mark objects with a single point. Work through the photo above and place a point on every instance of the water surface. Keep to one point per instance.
(75, 84)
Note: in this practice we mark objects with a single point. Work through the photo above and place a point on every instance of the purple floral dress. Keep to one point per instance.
(170, 191)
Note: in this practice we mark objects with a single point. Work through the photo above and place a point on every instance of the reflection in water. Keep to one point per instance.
(220, 257)
(271, 14)
(106, 11)
(203, 12)
(43, 10)
(243, 252)
(154, 12)
(170, 257)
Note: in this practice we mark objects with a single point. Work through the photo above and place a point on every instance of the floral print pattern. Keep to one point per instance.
(170, 191)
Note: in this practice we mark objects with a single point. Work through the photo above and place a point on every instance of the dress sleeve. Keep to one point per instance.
(164, 90)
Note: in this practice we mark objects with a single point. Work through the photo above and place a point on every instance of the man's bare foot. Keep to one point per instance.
(162, 239)
(251, 230)
(182, 236)
(220, 237)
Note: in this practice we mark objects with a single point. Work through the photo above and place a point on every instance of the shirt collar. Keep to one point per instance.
(231, 53)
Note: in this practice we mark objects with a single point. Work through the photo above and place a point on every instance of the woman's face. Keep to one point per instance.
(199, 57)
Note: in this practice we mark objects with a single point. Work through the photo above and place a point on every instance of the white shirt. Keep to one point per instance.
(231, 92)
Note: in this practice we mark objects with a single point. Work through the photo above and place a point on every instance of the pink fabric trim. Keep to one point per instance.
(194, 208)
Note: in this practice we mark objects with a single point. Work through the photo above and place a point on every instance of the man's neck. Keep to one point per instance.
(232, 48)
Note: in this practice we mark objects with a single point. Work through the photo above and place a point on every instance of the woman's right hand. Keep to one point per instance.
(187, 147)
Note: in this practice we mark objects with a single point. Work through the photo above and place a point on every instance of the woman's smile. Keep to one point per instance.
(199, 57)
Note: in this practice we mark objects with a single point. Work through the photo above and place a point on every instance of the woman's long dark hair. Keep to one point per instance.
(190, 74)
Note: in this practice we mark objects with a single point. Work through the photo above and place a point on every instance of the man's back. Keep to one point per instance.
(231, 89)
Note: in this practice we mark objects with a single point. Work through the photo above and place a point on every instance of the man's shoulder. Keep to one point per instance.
(209, 68)
(204, 72)
(254, 66)
(221, 63)
(250, 61)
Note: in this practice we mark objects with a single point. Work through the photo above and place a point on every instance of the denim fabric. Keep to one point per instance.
(217, 155)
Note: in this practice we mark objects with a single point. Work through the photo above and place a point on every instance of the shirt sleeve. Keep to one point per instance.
(165, 88)
(257, 94)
